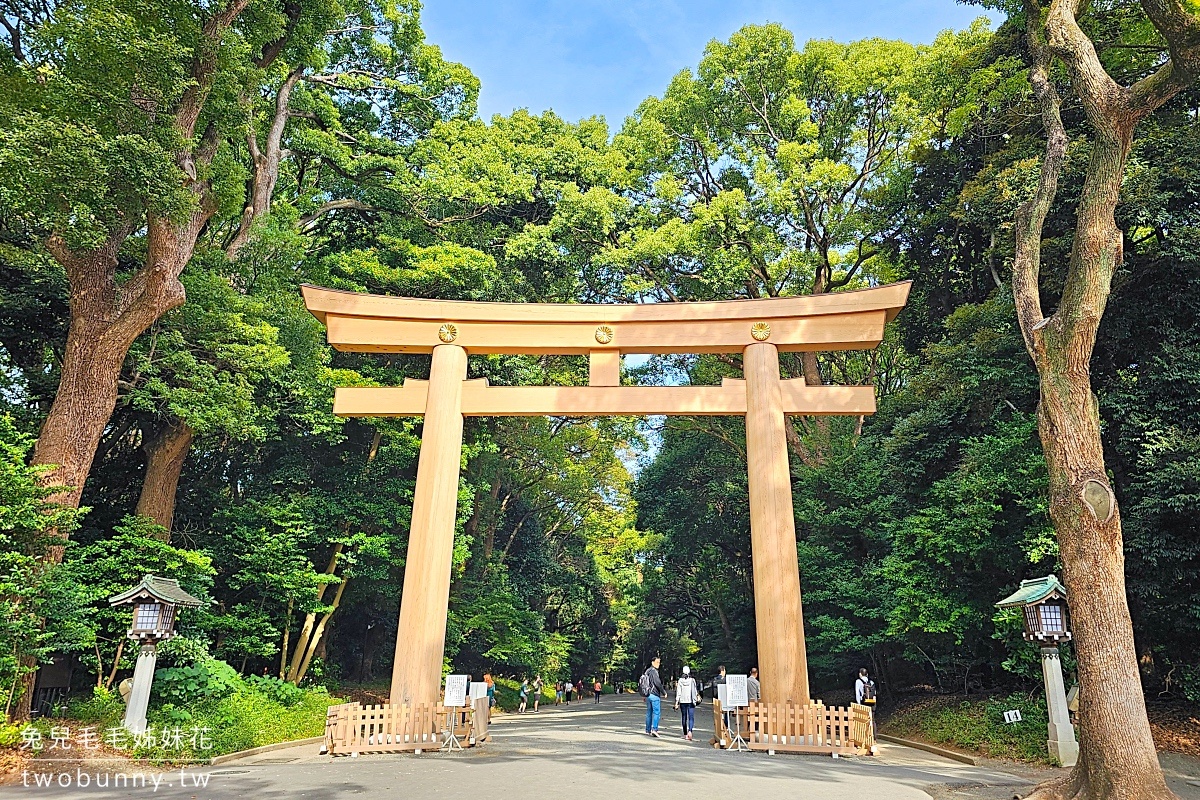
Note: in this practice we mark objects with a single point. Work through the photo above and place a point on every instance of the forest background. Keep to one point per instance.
(330, 143)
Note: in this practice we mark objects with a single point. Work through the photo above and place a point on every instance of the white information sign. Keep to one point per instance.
(1012, 716)
(478, 691)
(723, 695)
(456, 691)
(736, 687)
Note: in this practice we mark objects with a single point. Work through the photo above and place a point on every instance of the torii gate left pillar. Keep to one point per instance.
(370, 323)
(421, 633)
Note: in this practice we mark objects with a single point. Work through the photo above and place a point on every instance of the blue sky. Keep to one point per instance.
(585, 57)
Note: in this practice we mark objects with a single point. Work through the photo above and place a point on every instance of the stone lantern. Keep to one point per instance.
(1044, 603)
(154, 601)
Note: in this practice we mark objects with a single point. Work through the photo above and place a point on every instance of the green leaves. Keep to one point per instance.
(201, 682)
(29, 589)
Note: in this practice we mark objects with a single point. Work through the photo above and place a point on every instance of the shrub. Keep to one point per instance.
(282, 692)
(104, 707)
(189, 686)
(239, 721)
(979, 725)
(10, 735)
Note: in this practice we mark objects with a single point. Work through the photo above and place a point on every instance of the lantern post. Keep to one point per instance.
(154, 601)
(1044, 603)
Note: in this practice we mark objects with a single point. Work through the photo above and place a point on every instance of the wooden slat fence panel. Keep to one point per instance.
(862, 730)
(801, 728)
(355, 728)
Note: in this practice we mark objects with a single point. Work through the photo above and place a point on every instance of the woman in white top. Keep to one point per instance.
(687, 697)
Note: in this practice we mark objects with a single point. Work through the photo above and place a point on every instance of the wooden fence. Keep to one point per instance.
(797, 728)
(354, 728)
(862, 726)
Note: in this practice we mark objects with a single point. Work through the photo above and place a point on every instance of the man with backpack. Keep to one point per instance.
(864, 694)
(651, 687)
(864, 689)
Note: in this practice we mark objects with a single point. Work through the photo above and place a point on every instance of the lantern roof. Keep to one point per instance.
(164, 590)
(1035, 590)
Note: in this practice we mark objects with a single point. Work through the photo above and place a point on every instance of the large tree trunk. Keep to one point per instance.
(86, 397)
(165, 454)
(1117, 754)
(105, 321)
(1117, 758)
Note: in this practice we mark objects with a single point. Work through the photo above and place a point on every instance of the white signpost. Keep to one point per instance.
(736, 697)
(456, 691)
(478, 691)
(455, 698)
(739, 696)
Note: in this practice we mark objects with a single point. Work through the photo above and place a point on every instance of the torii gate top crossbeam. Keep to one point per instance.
(376, 323)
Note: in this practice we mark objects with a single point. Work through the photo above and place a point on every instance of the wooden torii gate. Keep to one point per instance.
(452, 330)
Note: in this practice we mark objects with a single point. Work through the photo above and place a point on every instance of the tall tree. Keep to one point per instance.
(111, 123)
(125, 129)
(1117, 755)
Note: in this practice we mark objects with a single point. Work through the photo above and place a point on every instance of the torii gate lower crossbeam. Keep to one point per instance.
(452, 330)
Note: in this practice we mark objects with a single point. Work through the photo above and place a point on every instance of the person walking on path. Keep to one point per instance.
(687, 697)
(753, 687)
(558, 693)
(864, 689)
(567, 689)
(651, 687)
(598, 688)
(490, 682)
(720, 681)
(864, 694)
(524, 695)
(537, 692)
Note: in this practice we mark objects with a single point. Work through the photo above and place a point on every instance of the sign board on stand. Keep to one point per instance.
(723, 694)
(478, 691)
(737, 692)
(456, 691)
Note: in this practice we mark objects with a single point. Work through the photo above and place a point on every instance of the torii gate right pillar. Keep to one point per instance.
(779, 618)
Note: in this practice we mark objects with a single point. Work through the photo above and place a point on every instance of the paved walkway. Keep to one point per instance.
(580, 752)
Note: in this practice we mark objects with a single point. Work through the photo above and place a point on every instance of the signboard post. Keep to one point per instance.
(454, 698)
(739, 698)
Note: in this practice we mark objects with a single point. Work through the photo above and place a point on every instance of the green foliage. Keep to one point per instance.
(192, 685)
(239, 721)
(29, 587)
(281, 692)
(104, 709)
(100, 569)
(10, 735)
(978, 725)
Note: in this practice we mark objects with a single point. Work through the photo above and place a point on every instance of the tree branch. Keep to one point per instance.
(307, 222)
(1031, 215)
(204, 66)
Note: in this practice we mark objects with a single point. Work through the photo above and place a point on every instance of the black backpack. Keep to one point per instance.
(644, 685)
(868, 693)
